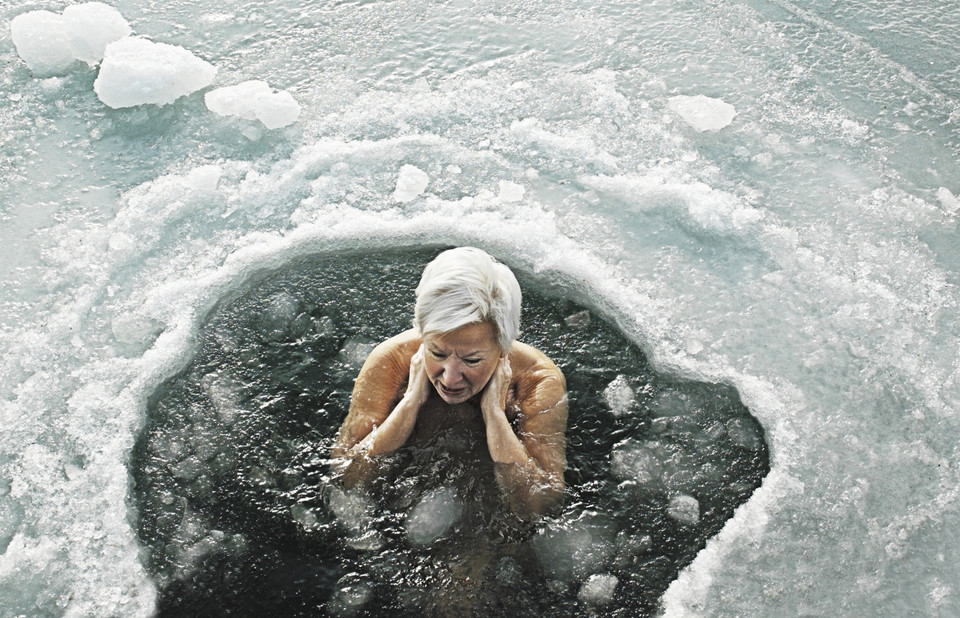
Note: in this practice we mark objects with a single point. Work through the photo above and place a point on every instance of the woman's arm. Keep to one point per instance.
(529, 463)
(380, 420)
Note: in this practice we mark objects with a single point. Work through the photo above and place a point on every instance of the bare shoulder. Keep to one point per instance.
(393, 354)
(538, 382)
(384, 373)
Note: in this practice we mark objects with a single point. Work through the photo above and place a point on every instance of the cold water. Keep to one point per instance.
(754, 194)
(241, 509)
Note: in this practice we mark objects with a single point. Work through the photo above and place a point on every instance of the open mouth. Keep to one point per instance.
(451, 392)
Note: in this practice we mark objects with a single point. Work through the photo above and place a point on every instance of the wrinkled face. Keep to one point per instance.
(460, 362)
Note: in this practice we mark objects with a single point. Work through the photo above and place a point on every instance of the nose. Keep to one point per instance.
(451, 374)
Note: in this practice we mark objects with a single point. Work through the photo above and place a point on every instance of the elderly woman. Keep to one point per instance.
(460, 365)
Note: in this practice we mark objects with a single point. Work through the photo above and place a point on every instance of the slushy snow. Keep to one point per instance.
(51, 43)
(701, 112)
(254, 100)
(136, 71)
(411, 183)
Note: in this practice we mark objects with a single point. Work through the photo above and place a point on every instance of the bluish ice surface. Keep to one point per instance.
(806, 252)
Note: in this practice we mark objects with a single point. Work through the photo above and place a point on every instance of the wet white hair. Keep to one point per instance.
(464, 286)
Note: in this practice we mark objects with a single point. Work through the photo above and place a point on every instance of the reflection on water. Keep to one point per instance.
(241, 512)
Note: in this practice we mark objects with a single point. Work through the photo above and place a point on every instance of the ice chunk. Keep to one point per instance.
(598, 589)
(277, 109)
(701, 112)
(433, 516)
(254, 100)
(91, 27)
(619, 396)
(42, 40)
(411, 182)
(684, 509)
(578, 320)
(224, 393)
(573, 549)
(353, 591)
(236, 100)
(948, 200)
(352, 509)
(356, 351)
(511, 191)
(744, 433)
(278, 316)
(136, 71)
(635, 462)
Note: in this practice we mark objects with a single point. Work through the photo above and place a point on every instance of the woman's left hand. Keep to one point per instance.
(496, 393)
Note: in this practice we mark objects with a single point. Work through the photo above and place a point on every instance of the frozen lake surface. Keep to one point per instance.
(756, 194)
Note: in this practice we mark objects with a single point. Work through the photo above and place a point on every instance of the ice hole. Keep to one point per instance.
(241, 511)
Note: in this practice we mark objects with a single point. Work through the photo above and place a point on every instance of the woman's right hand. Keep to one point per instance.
(418, 384)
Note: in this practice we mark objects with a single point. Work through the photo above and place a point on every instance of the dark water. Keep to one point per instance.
(242, 516)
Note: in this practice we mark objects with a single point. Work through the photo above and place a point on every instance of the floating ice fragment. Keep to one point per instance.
(433, 516)
(411, 182)
(136, 71)
(351, 509)
(619, 396)
(91, 27)
(580, 319)
(684, 509)
(635, 462)
(276, 110)
(511, 191)
(598, 589)
(573, 549)
(42, 40)
(236, 100)
(948, 201)
(254, 100)
(356, 351)
(743, 433)
(353, 592)
(701, 112)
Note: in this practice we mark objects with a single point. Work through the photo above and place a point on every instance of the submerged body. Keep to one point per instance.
(415, 388)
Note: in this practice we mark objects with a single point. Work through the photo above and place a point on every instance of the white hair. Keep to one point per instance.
(464, 286)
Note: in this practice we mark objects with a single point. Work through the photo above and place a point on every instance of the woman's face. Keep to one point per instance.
(460, 362)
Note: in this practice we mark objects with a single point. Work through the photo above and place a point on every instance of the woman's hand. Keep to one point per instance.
(418, 384)
(497, 391)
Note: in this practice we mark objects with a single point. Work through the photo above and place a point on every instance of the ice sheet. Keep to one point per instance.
(804, 253)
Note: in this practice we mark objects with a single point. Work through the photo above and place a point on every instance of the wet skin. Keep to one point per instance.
(521, 396)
